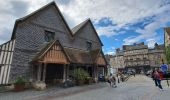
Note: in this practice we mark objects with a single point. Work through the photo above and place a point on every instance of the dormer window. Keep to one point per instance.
(89, 45)
(49, 36)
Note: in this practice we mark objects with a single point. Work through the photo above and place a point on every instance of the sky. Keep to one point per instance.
(118, 22)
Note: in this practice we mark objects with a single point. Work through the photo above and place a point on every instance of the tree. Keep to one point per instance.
(167, 53)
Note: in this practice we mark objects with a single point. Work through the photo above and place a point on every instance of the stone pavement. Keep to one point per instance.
(136, 88)
(49, 93)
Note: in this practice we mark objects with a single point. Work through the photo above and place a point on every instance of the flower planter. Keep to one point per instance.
(19, 88)
(80, 82)
(19, 84)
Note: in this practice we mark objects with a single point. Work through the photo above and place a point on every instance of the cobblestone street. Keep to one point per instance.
(136, 88)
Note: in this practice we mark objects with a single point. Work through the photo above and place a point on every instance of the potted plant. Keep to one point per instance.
(80, 76)
(89, 80)
(19, 84)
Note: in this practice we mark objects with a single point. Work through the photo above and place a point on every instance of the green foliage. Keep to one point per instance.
(80, 74)
(167, 52)
(19, 81)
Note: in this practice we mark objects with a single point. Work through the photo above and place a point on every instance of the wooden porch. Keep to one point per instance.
(55, 63)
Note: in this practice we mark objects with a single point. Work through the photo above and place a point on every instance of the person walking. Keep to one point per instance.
(158, 75)
(153, 77)
(110, 80)
(164, 67)
(134, 73)
(118, 78)
(114, 82)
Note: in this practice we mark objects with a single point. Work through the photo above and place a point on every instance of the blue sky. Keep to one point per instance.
(118, 22)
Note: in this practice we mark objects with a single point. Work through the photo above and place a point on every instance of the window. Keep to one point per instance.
(144, 58)
(89, 45)
(49, 36)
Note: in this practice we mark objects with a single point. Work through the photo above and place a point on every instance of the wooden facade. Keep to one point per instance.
(55, 54)
(101, 60)
(6, 54)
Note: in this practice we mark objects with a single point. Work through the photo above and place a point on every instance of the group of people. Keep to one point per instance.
(157, 75)
(113, 79)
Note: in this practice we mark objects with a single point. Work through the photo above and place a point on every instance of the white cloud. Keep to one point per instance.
(121, 12)
(116, 39)
(151, 42)
(110, 51)
(149, 30)
(107, 31)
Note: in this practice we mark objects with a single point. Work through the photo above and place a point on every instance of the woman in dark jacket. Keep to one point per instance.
(153, 77)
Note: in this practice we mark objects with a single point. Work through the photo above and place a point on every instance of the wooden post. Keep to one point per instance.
(39, 72)
(64, 73)
(67, 72)
(44, 72)
(95, 73)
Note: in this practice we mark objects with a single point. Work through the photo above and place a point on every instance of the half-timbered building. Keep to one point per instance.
(44, 48)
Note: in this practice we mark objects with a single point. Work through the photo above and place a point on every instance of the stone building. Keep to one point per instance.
(138, 57)
(117, 61)
(44, 48)
(167, 36)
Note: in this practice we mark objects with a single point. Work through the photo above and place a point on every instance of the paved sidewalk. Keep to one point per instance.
(49, 93)
(139, 87)
(136, 88)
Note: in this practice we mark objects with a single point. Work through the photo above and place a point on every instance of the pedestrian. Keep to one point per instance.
(134, 73)
(158, 75)
(118, 78)
(113, 80)
(100, 77)
(153, 77)
(110, 80)
(164, 68)
(122, 77)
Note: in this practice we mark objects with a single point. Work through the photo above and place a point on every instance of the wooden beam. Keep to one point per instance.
(64, 73)
(39, 72)
(67, 72)
(44, 72)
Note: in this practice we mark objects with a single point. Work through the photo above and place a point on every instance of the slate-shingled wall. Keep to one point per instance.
(30, 40)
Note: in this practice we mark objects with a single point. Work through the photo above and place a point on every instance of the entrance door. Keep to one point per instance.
(54, 72)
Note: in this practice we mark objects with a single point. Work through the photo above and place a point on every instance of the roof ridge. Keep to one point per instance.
(41, 8)
(36, 11)
(79, 26)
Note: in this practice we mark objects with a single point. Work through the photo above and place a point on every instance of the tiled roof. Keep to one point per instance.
(44, 49)
(37, 11)
(80, 56)
(74, 55)
(79, 26)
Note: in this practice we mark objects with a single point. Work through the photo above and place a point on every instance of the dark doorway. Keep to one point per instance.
(90, 71)
(54, 72)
